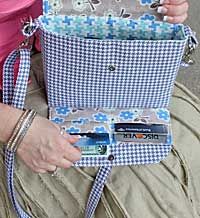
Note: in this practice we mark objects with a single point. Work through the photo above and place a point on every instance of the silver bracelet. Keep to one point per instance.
(16, 129)
(23, 130)
(23, 126)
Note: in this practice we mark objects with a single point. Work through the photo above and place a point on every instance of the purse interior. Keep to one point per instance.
(94, 27)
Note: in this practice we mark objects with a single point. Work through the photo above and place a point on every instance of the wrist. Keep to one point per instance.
(9, 117)
(21, 129)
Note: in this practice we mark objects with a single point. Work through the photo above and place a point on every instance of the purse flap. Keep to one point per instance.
(52, 6)
(101, 8)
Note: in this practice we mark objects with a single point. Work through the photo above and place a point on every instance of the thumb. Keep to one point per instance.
(172, 2)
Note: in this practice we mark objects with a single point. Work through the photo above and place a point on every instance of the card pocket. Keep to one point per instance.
(97, 129)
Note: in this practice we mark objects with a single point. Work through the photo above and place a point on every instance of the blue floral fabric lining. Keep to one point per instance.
(98, 120)
(135, 9)
(111, 28)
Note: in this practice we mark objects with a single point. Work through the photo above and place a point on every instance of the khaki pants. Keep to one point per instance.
(170, 189)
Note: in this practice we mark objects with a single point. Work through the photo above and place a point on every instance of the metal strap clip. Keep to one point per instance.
(188, 53)
(28, 29)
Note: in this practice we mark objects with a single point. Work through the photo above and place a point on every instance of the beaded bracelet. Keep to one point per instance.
(21, 129)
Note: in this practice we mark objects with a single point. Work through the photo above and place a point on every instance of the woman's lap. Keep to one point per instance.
(169, 189)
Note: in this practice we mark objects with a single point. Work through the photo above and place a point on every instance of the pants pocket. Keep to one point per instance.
(179, 168)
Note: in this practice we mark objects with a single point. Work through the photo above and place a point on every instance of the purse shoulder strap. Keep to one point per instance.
(15, 95)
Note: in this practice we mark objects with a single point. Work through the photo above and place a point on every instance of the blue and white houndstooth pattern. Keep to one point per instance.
(96, 191)
(128, 154)
(8, 78)
(192, 39)
(114, 73)
(16, 96)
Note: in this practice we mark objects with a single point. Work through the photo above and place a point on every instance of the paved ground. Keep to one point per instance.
(191, 76)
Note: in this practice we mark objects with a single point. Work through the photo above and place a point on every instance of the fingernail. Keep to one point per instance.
(162, 2)
(162, 10)
(167, 19)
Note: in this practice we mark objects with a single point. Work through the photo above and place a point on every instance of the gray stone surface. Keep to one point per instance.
(190, 77)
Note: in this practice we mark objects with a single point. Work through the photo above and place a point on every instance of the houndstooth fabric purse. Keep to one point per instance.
(107, 63)
(106, 66)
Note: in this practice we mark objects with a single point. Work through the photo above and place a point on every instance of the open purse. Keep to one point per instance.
(102, 73)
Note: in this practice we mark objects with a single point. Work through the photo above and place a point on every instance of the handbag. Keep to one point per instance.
(133, 68)
(122, 64)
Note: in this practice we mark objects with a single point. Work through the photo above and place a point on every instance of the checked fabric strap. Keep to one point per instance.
(97, 189)
(14, 94)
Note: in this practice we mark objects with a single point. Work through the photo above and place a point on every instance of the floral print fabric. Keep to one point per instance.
(119, 8)
(100, 120)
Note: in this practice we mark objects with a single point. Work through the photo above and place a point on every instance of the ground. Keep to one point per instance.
(190, 77)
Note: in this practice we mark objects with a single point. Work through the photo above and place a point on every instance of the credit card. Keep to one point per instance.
(95, 151)
(141, 128)
(93, 144)
(92, 139)
(141, 138)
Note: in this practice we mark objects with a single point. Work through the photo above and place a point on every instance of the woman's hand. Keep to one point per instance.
(44, 148)
(174, 11)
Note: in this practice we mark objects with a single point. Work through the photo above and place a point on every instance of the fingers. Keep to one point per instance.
(176, 19)
(67, 151)
(174, 10)
(64, 163)
(70, 152)
(63, 155)
(44, 153)
(40, 166)
(44, 167)
(172, 2)
(71, 138)
(39, 171)
(37, 166)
